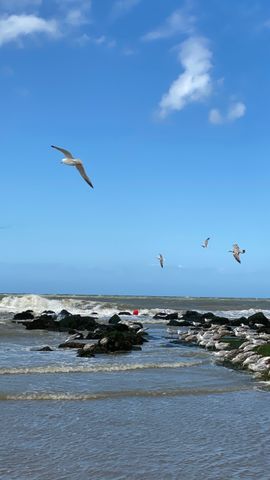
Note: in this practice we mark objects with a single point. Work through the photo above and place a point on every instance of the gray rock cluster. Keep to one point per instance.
(239, 343)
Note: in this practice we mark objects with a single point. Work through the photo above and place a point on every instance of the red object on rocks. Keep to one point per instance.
(135, 312)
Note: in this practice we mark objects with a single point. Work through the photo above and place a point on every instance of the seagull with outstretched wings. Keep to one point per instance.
(74, 162)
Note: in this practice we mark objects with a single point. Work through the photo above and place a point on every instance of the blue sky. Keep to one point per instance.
(167, 105)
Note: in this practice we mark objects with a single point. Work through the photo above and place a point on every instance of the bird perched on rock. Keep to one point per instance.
(74, 162)
(205, 243)
(236, 251)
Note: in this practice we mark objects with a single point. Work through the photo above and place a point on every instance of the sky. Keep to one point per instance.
(167, 104)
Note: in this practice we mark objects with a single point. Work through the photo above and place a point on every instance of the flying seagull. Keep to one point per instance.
(75, 162)
(161, 260)
(236, 251)
(205, 243)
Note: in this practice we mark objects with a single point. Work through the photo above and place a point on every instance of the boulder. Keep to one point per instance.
(114, 340)
(77, 322)
(44, 349)
(124, 313)
(178, 323)
(45, 322)
(48, 312)
(237, 322)
(259, 318)
(71, 344)
(172, 316)
(114, 319)
(26, 315)
(160, 315)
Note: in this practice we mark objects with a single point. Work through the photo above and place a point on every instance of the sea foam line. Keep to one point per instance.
(57, 396)
(94, 368)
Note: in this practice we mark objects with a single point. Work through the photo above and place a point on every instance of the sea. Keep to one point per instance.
(166, 412)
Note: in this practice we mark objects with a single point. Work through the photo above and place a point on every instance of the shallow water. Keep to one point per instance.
(164, 412)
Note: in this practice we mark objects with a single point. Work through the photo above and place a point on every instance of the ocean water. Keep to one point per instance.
(167, 411)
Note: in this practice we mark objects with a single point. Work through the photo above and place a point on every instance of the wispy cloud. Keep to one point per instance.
(178, 22)
(195, 83)
(13, 27)
(101, 40)
(122, 7)
(235, 111)
(77, 12)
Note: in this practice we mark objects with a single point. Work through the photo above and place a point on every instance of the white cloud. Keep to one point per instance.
(179, 22)
(236, 110)
(122, 7)
(215, 116)
(76, 18)
(194, 84)
(15, 26)
(102, 40)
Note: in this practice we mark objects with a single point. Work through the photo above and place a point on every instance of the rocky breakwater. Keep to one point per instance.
(242, 343)
(87, 334)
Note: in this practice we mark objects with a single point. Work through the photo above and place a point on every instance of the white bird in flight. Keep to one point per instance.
(74, 162)
(236, 251)
(161, 260)
(205, 243)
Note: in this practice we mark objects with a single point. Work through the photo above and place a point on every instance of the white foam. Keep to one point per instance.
(94, 368)
(81, 306)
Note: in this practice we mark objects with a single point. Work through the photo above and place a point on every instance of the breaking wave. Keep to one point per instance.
(55, 396)
(81, 306)
(94, 368)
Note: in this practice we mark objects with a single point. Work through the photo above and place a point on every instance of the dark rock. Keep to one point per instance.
(26, 315)
(172, 316)
(44, 349)
(43, 322)
(161, 315)
(260, 318)
(220, 321)
(63, 313)
(71, 344)
(124, 313)
(114, 319)
(77, 322)
(193, 316)
(178, 323)
(113, 341)
(89, 351)
(236, 322)
(263, 329)
(140, 325)
(48, 312)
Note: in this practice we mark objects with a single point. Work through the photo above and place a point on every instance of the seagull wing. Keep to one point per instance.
(80, 167)
(161, 261)
(237, 257)
(65, 152)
